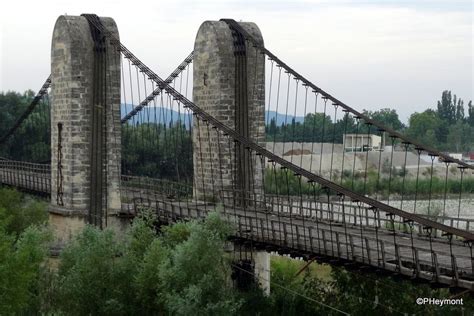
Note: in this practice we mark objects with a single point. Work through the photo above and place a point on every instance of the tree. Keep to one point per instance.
(423, 127)
(446, 107)
(151, 150)
(99, 274)
(318, 128)
(12, 105)
(20, 211)
(470, 111)
(387, 117)
(89, 277)
(271, 129)
(459, 110)
(196, 274)
(181, 272)
(21, 259)
(458, 136)
(31, 141)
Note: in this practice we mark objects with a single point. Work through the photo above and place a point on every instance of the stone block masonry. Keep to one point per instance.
(72, 90)
(215, 89)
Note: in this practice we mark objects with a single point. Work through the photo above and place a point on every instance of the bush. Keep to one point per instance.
(182, 271)
(20, 211)
(196, 274)
(89, 277)
(23, 250)
(21, 267)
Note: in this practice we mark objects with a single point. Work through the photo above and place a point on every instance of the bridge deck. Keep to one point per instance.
(381, 248)
(26, 176)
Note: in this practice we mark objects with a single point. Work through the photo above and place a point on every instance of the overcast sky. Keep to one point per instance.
(369, 54)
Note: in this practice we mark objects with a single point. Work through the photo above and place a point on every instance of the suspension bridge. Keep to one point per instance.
(235, 129)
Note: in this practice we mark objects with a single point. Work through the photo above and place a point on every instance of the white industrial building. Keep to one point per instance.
(362, 142)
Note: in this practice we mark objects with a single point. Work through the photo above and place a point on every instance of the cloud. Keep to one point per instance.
(399, 54)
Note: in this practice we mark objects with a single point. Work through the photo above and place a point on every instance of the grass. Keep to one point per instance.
(290, 267)
(399, 227)
(285, 182)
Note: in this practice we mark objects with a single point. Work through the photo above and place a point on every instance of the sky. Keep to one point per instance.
(368, 54)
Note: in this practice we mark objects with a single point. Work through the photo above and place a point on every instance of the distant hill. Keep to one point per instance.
(165, 115)
(156, 115)
(280, 118)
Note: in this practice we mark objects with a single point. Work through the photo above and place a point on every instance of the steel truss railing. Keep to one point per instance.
(33, 177)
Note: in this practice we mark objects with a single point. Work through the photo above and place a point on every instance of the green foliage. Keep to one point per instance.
(19, 211)
(409, 186)
(196, 273)
(21, 266)
(447, 128)
(317, 127)
(175, 234)
(182, 271)
(157, 151)
(22, 252)
(369, 294)
(12, 105)
(31, 142)
(100, 274)
(387, 117)
(424, 126)
(353, 292)
(89, 275)
(148, 281)
(296, 292)
(140, 235)
(287, 303)
(284, 182)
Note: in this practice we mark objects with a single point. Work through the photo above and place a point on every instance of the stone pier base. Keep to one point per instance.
(262, 270)
(257, 269)
(65, 223)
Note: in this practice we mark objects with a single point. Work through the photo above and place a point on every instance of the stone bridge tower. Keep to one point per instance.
(85, 126)
(229, 84)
